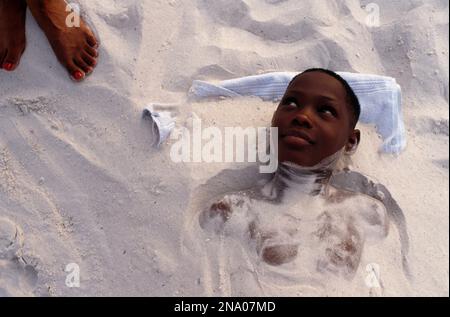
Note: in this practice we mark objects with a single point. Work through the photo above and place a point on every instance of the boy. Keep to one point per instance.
(298, 217)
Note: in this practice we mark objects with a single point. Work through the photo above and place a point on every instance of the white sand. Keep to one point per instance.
(80, 183)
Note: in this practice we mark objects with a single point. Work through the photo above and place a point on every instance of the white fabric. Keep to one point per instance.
(162, 123)
(379, 96)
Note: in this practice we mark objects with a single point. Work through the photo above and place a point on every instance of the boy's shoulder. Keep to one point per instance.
(338, 195)
(368, 211)
(222, 207)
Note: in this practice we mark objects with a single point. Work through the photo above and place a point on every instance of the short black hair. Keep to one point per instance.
(352, 99)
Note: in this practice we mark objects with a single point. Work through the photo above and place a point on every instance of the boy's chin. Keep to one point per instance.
(296, 157)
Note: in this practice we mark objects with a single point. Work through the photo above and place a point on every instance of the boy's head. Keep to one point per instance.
(316, 118)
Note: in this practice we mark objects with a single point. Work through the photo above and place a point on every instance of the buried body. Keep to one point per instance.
(298, 219)
(291, 220)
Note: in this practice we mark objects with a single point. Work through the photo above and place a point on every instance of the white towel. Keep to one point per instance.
(162, 122)
(379, 96)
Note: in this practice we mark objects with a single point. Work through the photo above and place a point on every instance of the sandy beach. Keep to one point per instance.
(80, 181)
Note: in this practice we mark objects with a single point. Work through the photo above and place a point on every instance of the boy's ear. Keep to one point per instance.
(353, 142)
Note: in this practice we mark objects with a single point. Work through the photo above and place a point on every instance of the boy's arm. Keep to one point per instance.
(220, 210)
(357, 182)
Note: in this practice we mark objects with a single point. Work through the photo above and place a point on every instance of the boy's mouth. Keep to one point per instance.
(297, 137)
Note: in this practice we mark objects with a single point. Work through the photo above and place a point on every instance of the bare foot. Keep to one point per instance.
(76, 46)
(12, 33)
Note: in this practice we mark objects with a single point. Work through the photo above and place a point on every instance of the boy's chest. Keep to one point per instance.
(326, 237)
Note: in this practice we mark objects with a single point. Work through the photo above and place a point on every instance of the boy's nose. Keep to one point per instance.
(302, 119)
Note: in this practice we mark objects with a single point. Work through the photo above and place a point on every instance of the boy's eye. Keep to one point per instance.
(290, 102)
(328, 110)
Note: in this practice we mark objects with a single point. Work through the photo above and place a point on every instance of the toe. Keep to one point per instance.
(89, 59)
(11, 59)
(2, 57)
(91, 51)
(76, 73)
(83, 65)
(91, 40)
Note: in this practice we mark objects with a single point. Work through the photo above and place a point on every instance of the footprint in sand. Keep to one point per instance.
(16, 277)
(126, 19)
(246, 15)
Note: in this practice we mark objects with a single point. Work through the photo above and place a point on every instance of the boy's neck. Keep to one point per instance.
(309, 180)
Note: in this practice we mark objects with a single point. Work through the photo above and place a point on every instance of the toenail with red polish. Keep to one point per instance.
(8, 66)
(77, 75)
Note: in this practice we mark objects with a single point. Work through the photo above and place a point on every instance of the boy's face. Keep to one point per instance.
(313, 120)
